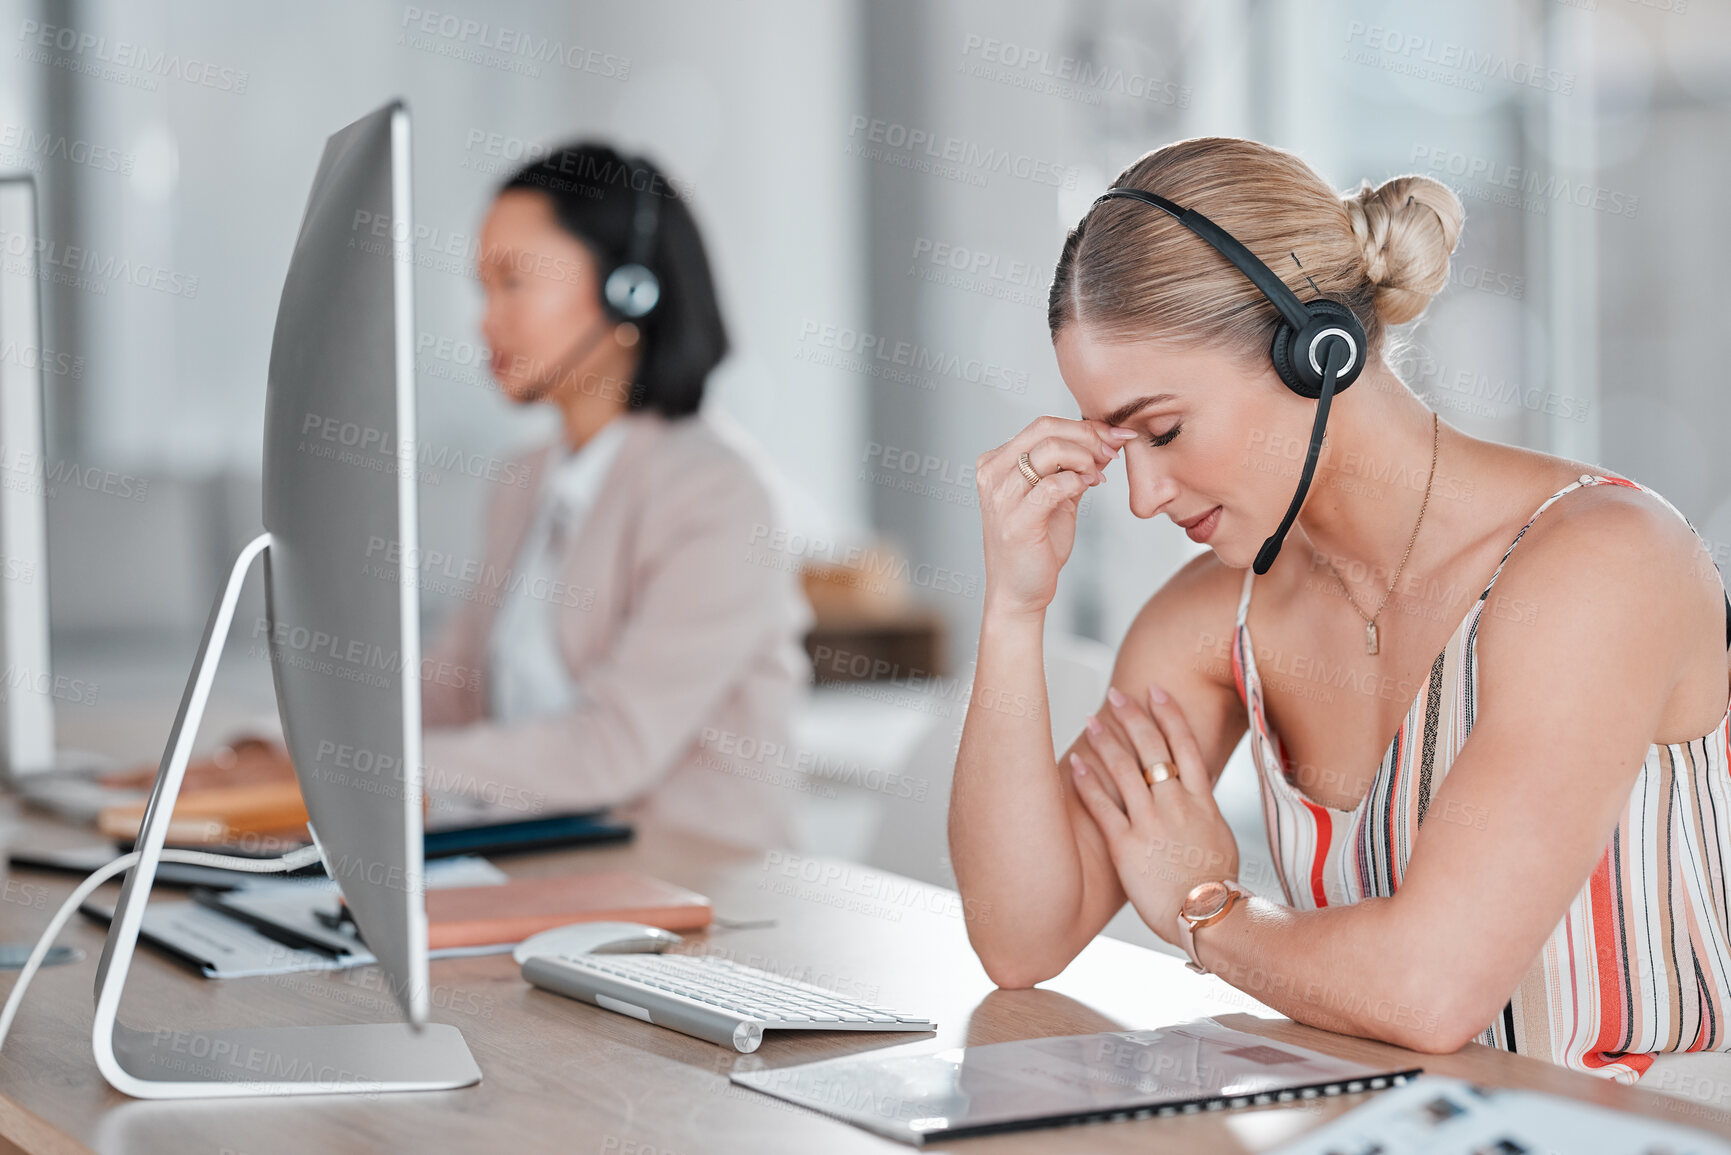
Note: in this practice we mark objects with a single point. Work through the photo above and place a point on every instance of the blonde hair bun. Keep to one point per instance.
(1131, 274)
(1406, 229)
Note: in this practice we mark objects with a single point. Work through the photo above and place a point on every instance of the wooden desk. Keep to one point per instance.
(563, 1076)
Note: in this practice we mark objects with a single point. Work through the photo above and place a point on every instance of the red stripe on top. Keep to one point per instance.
(1324, 836)
(1608, 950)
(1238, 667)
(1636, 1061)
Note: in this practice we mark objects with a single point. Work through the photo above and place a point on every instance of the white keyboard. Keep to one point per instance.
(711, 998)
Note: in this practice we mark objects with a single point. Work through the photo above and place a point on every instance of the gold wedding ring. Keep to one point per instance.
(1158, 772)
(1028, 470)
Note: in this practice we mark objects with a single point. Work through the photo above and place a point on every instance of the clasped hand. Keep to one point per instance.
(1165, 837)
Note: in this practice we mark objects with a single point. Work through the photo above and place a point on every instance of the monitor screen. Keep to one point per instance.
(339, 505)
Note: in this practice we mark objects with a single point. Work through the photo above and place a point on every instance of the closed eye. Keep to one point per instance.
(1159, 439)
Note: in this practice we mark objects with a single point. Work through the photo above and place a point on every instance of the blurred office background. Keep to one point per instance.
(879, 181)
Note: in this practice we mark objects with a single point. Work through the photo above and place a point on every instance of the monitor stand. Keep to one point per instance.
(199, 1063)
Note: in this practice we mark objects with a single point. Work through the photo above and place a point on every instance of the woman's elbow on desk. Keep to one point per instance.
(1382, 968)
(1434, 1014)
(1014, 962)
(1458, 1016)
(1445, 998)
(1428, 1029)
(1015, 974)
(1419, 1021)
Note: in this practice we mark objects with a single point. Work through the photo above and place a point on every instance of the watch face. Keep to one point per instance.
(1205, 900)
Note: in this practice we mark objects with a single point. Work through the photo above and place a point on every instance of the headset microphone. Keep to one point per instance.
(1334, 358)
(1317, 348)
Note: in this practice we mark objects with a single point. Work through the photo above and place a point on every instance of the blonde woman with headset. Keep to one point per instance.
(1511, 667)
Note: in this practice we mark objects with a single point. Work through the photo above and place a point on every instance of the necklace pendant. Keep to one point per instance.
(1370, 637)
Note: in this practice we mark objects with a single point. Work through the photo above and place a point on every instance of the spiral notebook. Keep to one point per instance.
(965, 1091)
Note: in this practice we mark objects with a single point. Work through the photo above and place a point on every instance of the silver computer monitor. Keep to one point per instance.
(343, 628)
(26, 685)
(339, 506)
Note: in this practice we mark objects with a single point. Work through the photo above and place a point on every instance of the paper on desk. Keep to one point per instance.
(297, 904)
(223, 947)
(458, 870)
(1436, 1115)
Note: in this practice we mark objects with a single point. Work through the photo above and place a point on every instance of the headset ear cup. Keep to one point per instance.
(1280, 352)
(630, 292)
(1330, 314)
(1290, 351)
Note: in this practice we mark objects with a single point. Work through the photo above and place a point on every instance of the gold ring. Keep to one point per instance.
(1158, 772)
(1028, 470)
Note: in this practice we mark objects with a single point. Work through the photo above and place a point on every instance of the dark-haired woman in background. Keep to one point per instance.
(624, 651)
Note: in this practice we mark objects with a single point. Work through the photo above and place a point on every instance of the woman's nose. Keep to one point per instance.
(1150, 490)
(1144, 504)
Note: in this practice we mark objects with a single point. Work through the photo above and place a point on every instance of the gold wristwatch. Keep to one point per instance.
(1206, 903)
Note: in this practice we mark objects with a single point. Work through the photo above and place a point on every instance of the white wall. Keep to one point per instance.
(756, 106)
(732, 100)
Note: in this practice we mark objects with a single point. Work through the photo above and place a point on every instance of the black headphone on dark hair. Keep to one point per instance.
(1318, 349)
(632, 290)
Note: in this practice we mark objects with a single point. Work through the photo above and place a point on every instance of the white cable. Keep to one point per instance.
(293, 860)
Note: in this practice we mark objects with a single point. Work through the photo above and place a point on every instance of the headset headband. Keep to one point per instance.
(1229, 247)
(632, 289)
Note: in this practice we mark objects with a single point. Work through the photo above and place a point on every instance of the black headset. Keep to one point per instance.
(632, 290)
(1318, 350)
(629, 292)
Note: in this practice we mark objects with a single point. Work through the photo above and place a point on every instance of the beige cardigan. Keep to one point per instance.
(681, 631)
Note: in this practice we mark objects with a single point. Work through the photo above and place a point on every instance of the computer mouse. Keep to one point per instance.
(596, 938)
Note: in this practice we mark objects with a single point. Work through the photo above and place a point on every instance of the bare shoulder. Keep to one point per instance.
(1616, 531)
(1607, 556)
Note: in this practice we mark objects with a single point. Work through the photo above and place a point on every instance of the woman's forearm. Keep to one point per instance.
(1311, 966)
(1012, 846)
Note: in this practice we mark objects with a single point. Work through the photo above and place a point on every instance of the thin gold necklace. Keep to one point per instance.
(1370, 638)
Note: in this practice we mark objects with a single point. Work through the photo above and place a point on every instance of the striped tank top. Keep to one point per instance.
(1641, 961)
